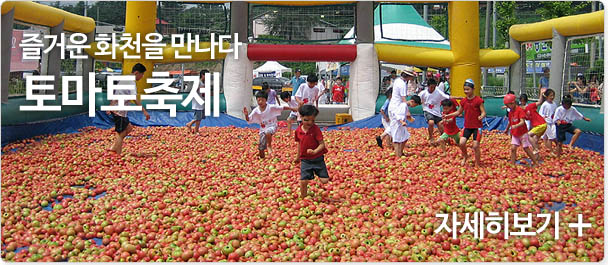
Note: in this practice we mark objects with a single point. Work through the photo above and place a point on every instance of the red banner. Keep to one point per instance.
(17, 62)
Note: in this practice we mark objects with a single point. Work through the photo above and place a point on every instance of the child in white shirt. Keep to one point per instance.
(563, 117)
(265, 115)
(292, 103)
(547, 109)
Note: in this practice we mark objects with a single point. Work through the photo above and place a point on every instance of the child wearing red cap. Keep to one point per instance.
(519, 131)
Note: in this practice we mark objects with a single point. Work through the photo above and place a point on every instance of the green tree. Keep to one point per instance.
(112, 12)
(288, 28)
(506, 18)
(550, 9)
(440, 24)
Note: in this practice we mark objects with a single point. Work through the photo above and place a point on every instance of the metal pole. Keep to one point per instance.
(556, 79)
(494, 30)
(54, 63)
(494, 25)
(486, 37)
(593, 42)
(182, 79)
(533, 74)
(515, 70)
(7, 36)
(425, 13)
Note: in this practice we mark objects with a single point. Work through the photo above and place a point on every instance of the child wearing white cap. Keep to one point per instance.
(474, 112)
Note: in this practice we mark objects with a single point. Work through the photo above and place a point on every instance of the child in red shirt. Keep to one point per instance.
(519, 131)
(338, 91)
(311, 149)
(474, 112)
(538, 125)
(450, 129)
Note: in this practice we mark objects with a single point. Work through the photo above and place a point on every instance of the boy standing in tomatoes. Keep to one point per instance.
(474, 112)
(519, 131)
(311, 149)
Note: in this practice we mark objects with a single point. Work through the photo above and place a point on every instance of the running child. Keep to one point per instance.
(122, 125)
(537, 126)
(474, 113)
(273, 98)
(450, 129)
(292, 103)
(519, 131)
(266, 115)
(311, 149)
(199, 109)
(564, 116)
(431, 100)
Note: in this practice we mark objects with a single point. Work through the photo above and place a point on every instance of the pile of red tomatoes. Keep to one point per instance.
(177, 196)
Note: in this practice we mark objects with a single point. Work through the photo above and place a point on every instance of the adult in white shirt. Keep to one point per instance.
(199, 109)
(122, 126)
(431, 105)
(308, 93)
(396, 107)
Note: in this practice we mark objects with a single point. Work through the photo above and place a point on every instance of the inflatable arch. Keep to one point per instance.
(463, 56)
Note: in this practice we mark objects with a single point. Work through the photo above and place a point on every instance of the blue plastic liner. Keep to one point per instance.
(101, 120)
(587, 141)
(104, 121)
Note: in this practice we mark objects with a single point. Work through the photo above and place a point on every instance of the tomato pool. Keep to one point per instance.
(177, 196)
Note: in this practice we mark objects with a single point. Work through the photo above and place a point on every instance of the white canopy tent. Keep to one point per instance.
(271, 68)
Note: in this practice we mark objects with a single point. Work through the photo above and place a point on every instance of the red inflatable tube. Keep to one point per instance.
(300, 53)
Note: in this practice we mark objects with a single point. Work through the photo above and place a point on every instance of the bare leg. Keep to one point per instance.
(269, 141)
(189, 125)
(303, 188)
(463, 149)
(549, 145)
(430, 130)
(440, 128)
(513, 154)
(197, 124)
(117, 148)
(441, 142)
(477, 153)
(577, 133)
(531, 155)
(559, 148)
(289, 123)
(534, 140)
(398, 149)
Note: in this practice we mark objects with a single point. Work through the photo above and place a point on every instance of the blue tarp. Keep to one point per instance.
(586, 141)
(161, 118)
(102, 120)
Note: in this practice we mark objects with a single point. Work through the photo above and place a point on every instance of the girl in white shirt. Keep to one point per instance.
(547, 109)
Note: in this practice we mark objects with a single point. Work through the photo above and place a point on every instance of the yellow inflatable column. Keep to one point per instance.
(140, 18)
(464, 41)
